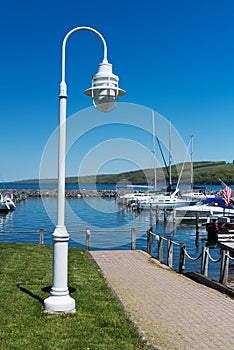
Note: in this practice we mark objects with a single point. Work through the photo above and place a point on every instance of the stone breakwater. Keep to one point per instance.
(24, 194)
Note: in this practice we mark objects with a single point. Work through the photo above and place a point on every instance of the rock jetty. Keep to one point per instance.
(24, 194)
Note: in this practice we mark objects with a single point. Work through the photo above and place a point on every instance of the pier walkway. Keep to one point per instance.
(170, 310)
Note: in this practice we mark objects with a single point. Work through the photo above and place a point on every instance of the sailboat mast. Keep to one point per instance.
(154, 150)
(192, 178)
(170, 184)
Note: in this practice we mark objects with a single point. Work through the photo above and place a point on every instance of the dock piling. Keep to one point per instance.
(41, 236)
(204, 262)
(160, 248)
(224, 267)
(87, 239)
(182, 258)
(133, 237)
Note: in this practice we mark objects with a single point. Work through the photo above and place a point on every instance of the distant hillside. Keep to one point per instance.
(205, 173)
(211, 173)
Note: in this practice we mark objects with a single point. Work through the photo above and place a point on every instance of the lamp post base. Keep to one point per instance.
(59, 304)
(59, 300)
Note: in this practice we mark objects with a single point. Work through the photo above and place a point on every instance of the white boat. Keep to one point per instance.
(132, 198)
(9, 201)
(205, 208)
(196, 196)
(196, 193)
(6, 203)
(164, 200)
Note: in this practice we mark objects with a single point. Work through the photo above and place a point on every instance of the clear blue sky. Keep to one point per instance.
(173, 56)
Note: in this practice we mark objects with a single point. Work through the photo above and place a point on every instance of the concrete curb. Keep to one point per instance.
(197, 277)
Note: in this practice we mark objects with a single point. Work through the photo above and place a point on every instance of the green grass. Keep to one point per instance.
(25, 279)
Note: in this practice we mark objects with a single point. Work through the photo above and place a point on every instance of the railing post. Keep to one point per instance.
(151, 215)
(160, 248)
(133, 236)
(204, 262)
(87, 239)
(157, 214)
(174, 215)
(182, 258)
(169, 252)
(224, 267)
(197, 225)
(41, 236)
(149, 242)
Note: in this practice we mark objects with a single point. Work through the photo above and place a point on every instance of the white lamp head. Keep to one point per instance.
(105, 89)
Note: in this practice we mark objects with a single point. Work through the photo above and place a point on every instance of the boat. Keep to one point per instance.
(131, 199)
(194, 196)
(196, 193)
(9, 201)
(220, 228)
(163, 200)
(173, 196)
(6, 203)
(204, 208)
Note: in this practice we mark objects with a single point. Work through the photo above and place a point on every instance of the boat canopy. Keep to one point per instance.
(201, 188)
(216, 201)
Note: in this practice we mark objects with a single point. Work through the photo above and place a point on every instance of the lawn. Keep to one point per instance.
(25, 280)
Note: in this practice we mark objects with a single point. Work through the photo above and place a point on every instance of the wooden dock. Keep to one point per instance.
(227, 246)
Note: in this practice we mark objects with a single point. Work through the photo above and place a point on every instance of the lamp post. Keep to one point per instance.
(104, 93)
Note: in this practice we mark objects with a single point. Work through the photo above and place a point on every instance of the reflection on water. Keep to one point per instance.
(5, 217)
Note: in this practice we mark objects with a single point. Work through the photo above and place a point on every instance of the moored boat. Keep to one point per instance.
(129, 199)
(164, 200)
(220, 228)
(6, 203)
(204, 208)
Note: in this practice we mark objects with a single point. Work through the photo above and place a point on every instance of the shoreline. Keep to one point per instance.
(22, 194)
(30, 193)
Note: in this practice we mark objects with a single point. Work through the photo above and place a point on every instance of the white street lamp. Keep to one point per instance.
(104, 93)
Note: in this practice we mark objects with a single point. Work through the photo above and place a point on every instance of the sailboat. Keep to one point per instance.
(133, 199)
(164, 200)
(148, 200)
(169, 198)
(196, 193)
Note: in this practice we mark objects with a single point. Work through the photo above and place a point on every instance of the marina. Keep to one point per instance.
(86, 264)
(110, 225)
(135, 249)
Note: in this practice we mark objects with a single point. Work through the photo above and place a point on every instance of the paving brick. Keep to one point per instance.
(172, 311)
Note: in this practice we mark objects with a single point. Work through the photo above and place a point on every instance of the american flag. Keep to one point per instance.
(227, 193)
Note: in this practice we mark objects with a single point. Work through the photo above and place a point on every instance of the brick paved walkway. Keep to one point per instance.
(172, 311)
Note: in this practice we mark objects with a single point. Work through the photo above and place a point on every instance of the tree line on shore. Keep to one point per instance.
(204, 173)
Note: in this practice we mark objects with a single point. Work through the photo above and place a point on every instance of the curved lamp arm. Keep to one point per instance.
(65, 41)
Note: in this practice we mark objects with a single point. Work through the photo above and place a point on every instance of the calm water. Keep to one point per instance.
(36, 186)
(110, 227)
